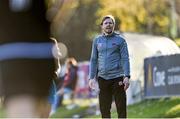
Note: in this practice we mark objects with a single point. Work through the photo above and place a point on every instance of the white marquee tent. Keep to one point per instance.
(141, 46)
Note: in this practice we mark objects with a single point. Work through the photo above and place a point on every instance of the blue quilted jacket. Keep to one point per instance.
(109, 57)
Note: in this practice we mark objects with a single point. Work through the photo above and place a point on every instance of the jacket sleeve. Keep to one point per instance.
(93, 60)
(125, 58)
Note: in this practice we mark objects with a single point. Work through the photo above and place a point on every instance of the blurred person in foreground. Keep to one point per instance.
(109, 65)
(27, 65)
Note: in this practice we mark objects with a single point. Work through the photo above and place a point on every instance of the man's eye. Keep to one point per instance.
(108, 23)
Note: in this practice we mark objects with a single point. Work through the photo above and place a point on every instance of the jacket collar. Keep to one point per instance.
(109, 35)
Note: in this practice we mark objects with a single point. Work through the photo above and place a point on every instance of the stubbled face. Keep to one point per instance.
(108, 26)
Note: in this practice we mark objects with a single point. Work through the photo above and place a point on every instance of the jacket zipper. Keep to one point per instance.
(106, 56)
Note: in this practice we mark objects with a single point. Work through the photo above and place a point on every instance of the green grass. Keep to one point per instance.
(150, 108)
(61, 112)
(177, 41)
(64, 113)
(153, 108)
(1, 113)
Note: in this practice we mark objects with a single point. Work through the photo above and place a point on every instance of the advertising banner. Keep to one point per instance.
(162, 76)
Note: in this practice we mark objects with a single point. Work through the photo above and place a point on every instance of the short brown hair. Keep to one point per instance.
(107, 17)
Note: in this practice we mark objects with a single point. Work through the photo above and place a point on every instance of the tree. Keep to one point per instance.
(75, 34)
(145, 16)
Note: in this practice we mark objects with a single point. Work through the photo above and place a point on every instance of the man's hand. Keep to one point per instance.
(92, 83)
(126, 83)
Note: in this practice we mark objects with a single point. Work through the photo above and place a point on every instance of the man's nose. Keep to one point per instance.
(108, 24)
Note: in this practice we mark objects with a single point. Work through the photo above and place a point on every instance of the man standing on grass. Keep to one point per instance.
(109, 63)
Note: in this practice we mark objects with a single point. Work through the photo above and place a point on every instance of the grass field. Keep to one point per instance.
(165, 107)
(1, 113)
(150, 108)
(177, 41)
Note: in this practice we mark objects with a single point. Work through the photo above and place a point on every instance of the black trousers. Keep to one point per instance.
(110, 89)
